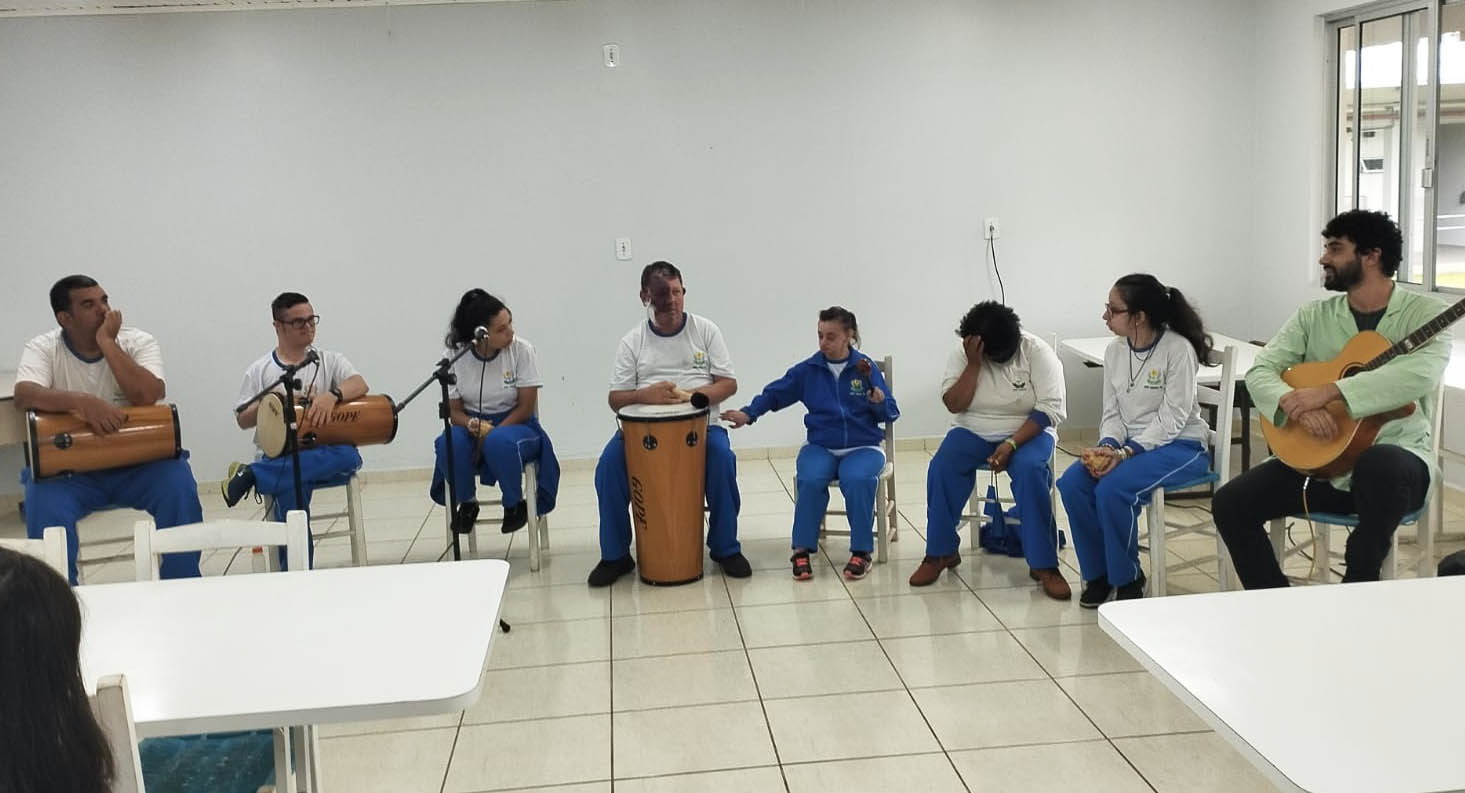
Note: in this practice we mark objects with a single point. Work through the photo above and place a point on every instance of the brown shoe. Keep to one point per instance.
(1054, 584)
(931, 568)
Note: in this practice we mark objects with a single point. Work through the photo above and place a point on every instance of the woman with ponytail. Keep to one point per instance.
(848, 402)
(494, 406)
(1151, 432)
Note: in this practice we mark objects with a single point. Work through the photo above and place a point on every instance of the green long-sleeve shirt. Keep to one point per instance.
(1318, 331)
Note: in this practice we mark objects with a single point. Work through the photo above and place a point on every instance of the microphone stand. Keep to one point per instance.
(444, 376)
(291, 383)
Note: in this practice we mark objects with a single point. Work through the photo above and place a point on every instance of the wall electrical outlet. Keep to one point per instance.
(623, 249)
(991, 229)
(612, 54)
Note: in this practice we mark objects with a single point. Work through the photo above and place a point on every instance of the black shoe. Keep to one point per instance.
(516, 517)
(735, 566)
(465, 518)
(239, 483)
(608, 570)
(1133, 590)
(1095, 593)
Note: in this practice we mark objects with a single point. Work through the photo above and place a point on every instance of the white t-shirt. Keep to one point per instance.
(690, 358)
(1008, 393)
(329, 372)
(49, 362)
(491, 385)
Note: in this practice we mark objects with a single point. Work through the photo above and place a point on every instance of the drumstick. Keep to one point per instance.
(697, 398)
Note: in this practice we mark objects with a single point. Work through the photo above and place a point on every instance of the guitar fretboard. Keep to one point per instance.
(1419, 337)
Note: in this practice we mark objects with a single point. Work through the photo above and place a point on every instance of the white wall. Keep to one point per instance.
(786, 155)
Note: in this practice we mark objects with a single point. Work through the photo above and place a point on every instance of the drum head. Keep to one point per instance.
(269, 428)
(675, 412)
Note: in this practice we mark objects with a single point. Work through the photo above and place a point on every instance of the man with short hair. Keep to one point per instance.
(331, 379)
(659, 362)
(1361, 253)
(90, 366)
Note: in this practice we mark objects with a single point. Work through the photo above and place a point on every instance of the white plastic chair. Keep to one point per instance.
(355, 520)
(1424, 519)
(51, 548)
(113, 709)
(294, 535)
(887, 520)
(538, 526)
(150, 543)
(1222, 397)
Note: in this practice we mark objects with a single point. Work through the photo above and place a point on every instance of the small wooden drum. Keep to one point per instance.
(62, 443)
(666, 458)
(361, 422)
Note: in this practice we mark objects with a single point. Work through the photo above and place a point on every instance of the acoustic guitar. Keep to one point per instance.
(1299, 449)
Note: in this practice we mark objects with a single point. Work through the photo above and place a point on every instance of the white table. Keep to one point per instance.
(12, 421)
(1328, 689)
(1090, 350)
(248, 652)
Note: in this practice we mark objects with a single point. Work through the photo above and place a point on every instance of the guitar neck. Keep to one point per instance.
(1420, 336)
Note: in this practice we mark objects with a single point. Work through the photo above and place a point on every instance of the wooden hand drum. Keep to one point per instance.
(666, 459)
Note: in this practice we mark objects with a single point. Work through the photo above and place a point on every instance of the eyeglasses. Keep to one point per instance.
(1112, 310)
(302, 322)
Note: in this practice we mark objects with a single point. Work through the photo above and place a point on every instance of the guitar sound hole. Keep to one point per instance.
(1351, 370)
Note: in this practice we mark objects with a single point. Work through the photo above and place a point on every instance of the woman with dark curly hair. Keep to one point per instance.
(1004, 388)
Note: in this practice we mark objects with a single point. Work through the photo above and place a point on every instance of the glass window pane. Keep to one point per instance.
(1381, 68)
(1450, 151)
(1415, 208)
(1347, 72)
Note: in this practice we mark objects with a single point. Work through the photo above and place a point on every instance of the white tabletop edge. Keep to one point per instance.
(1196, 706)
(243, 719)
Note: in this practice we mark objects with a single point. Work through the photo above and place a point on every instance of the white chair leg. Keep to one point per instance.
(1390, 569)
(974, 523)
(1322, 553)
(355, 521)
(882, 525)
(892, 509)
(1223, 564)
(284, 768)
(1155, 517)
(473, 541)
(531, 505)
(1278, 530)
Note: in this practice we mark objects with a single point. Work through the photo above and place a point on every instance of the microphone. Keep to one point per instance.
(700, 400)
(312, 355)
(480, 333)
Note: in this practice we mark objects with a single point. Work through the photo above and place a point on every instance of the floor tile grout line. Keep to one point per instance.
(909, 695)
(757, 691)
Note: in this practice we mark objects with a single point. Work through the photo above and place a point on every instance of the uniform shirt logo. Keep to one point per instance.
(509, 378)
(1153, 381)
(857, 386)
(699, 360)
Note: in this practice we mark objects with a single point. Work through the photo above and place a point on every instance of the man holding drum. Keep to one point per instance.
(92, 367)
(662, 361)
(330, 380)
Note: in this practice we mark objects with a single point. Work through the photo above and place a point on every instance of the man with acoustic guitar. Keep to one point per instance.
(331, 379)
(1390, 478)
(93, 367)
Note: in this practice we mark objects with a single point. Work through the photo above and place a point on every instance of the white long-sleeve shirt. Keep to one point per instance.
(1150, 394)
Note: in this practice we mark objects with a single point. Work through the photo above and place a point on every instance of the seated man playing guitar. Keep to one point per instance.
(1390, 477)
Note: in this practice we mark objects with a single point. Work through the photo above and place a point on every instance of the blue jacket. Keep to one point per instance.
(841, 415)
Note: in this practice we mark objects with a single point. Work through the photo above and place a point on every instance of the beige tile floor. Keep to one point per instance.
(977, 683)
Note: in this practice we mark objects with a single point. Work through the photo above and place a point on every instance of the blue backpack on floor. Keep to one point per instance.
(997, 536)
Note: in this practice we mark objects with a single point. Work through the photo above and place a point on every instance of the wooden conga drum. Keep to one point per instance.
(666, 459)
(363, 421)
(62, 443)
